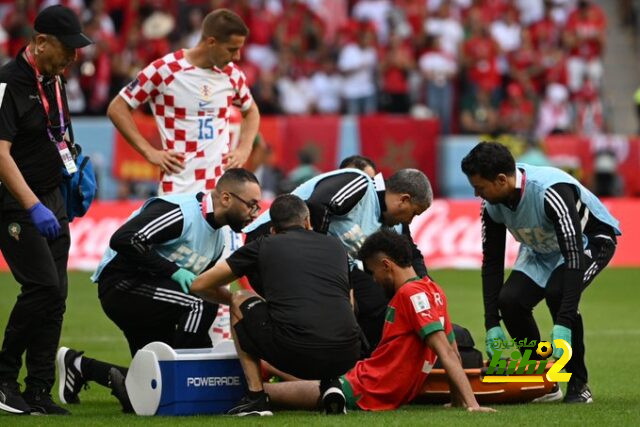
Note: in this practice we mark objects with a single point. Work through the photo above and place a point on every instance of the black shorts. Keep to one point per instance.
(258, 335)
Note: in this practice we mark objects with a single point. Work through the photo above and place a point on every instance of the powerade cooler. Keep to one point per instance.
(164, 381)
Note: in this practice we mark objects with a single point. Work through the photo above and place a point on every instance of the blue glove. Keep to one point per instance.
(563, 333)
(184, 278)
(495, 337)
(44, 220)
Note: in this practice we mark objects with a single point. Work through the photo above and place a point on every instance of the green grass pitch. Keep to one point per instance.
(610, 308)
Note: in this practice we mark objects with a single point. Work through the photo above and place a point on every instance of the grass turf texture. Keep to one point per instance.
(609, 308)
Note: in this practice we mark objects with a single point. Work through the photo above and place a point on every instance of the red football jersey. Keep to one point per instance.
(398, 367)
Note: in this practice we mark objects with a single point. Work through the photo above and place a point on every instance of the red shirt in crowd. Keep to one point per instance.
(482, 55)
(587, 27)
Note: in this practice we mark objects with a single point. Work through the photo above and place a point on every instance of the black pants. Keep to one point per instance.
(259, 336)
(40, 266)
(148, 308)
(371, 306)
(520, 295)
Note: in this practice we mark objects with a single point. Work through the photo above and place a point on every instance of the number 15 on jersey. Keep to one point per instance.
(205, 128)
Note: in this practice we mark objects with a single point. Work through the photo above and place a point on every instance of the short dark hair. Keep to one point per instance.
(357, 162)
(412, 182)
(222, 24)
(391, 244)
(288, 210)
(488, 159)
(234, 177)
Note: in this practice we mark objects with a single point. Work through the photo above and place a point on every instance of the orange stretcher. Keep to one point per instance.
(436, 388)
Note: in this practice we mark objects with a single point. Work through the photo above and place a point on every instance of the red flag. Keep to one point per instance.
(397, 142)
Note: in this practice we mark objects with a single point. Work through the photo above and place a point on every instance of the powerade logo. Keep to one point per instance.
(212, 381)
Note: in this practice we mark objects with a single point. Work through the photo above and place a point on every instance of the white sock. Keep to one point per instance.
(76, 363)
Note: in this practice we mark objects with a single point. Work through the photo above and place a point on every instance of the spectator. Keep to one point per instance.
(516, 111)
(446, 27)
(480, 56)
(293, 86)
(265, 94)
(589, 111)
(479, 115)
(326, 87)
(376, 12)
(506, 32)
(546, 31)
(357, 62)
(397, 63)
(553, 62)
(524, 66)
(556, 114)
(438, 69)
(262, 23)
(192, 38)
(585, 36)
(530, 10)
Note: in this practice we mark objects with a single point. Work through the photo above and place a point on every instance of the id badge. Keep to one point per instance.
(67, 158)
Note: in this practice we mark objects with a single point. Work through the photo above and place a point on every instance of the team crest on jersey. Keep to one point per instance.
(206, 92)
(420, 302)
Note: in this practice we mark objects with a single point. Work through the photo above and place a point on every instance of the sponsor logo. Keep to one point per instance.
(420, 302)
(519, 368)
(212, 381)
(203, 104)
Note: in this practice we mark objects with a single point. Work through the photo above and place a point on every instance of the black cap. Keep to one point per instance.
(63, 23)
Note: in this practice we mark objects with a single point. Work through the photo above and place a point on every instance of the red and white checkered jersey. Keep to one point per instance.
(192, 107)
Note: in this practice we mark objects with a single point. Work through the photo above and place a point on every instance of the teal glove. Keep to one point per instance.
(562, 333)
(184, 278)
(495, 337)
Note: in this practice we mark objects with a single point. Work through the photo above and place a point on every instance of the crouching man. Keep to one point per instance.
(300, 319)
(417, 331)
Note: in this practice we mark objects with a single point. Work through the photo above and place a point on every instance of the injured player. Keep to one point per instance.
(416, 333)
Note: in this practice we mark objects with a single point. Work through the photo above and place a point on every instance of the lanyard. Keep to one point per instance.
(45, 101)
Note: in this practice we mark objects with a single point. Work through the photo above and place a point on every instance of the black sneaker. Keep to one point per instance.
(41, 403)
(259, 406)
(119, 389)
(70, 379)
(333, 399)
(11, 400)
(578, 394)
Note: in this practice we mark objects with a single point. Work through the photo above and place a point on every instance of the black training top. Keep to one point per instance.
(335, 196)
(569, 231)
(23, 123)
(304, 277)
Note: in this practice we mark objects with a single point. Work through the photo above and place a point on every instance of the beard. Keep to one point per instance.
(236, 223)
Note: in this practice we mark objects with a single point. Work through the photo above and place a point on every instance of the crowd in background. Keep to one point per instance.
(526, 67)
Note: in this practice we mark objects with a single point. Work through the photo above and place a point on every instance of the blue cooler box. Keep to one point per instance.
(164, 381)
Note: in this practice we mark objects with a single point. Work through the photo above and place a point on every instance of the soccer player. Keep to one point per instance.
(300, 320)
(567, 237)
(145, 274)
(417, 332)
(346, 204)
(191, 93)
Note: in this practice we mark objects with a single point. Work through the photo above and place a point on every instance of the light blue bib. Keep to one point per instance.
(196, 247)
(539, 252)
(352, 228)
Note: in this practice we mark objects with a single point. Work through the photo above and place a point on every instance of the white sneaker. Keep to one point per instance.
(553, 396)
